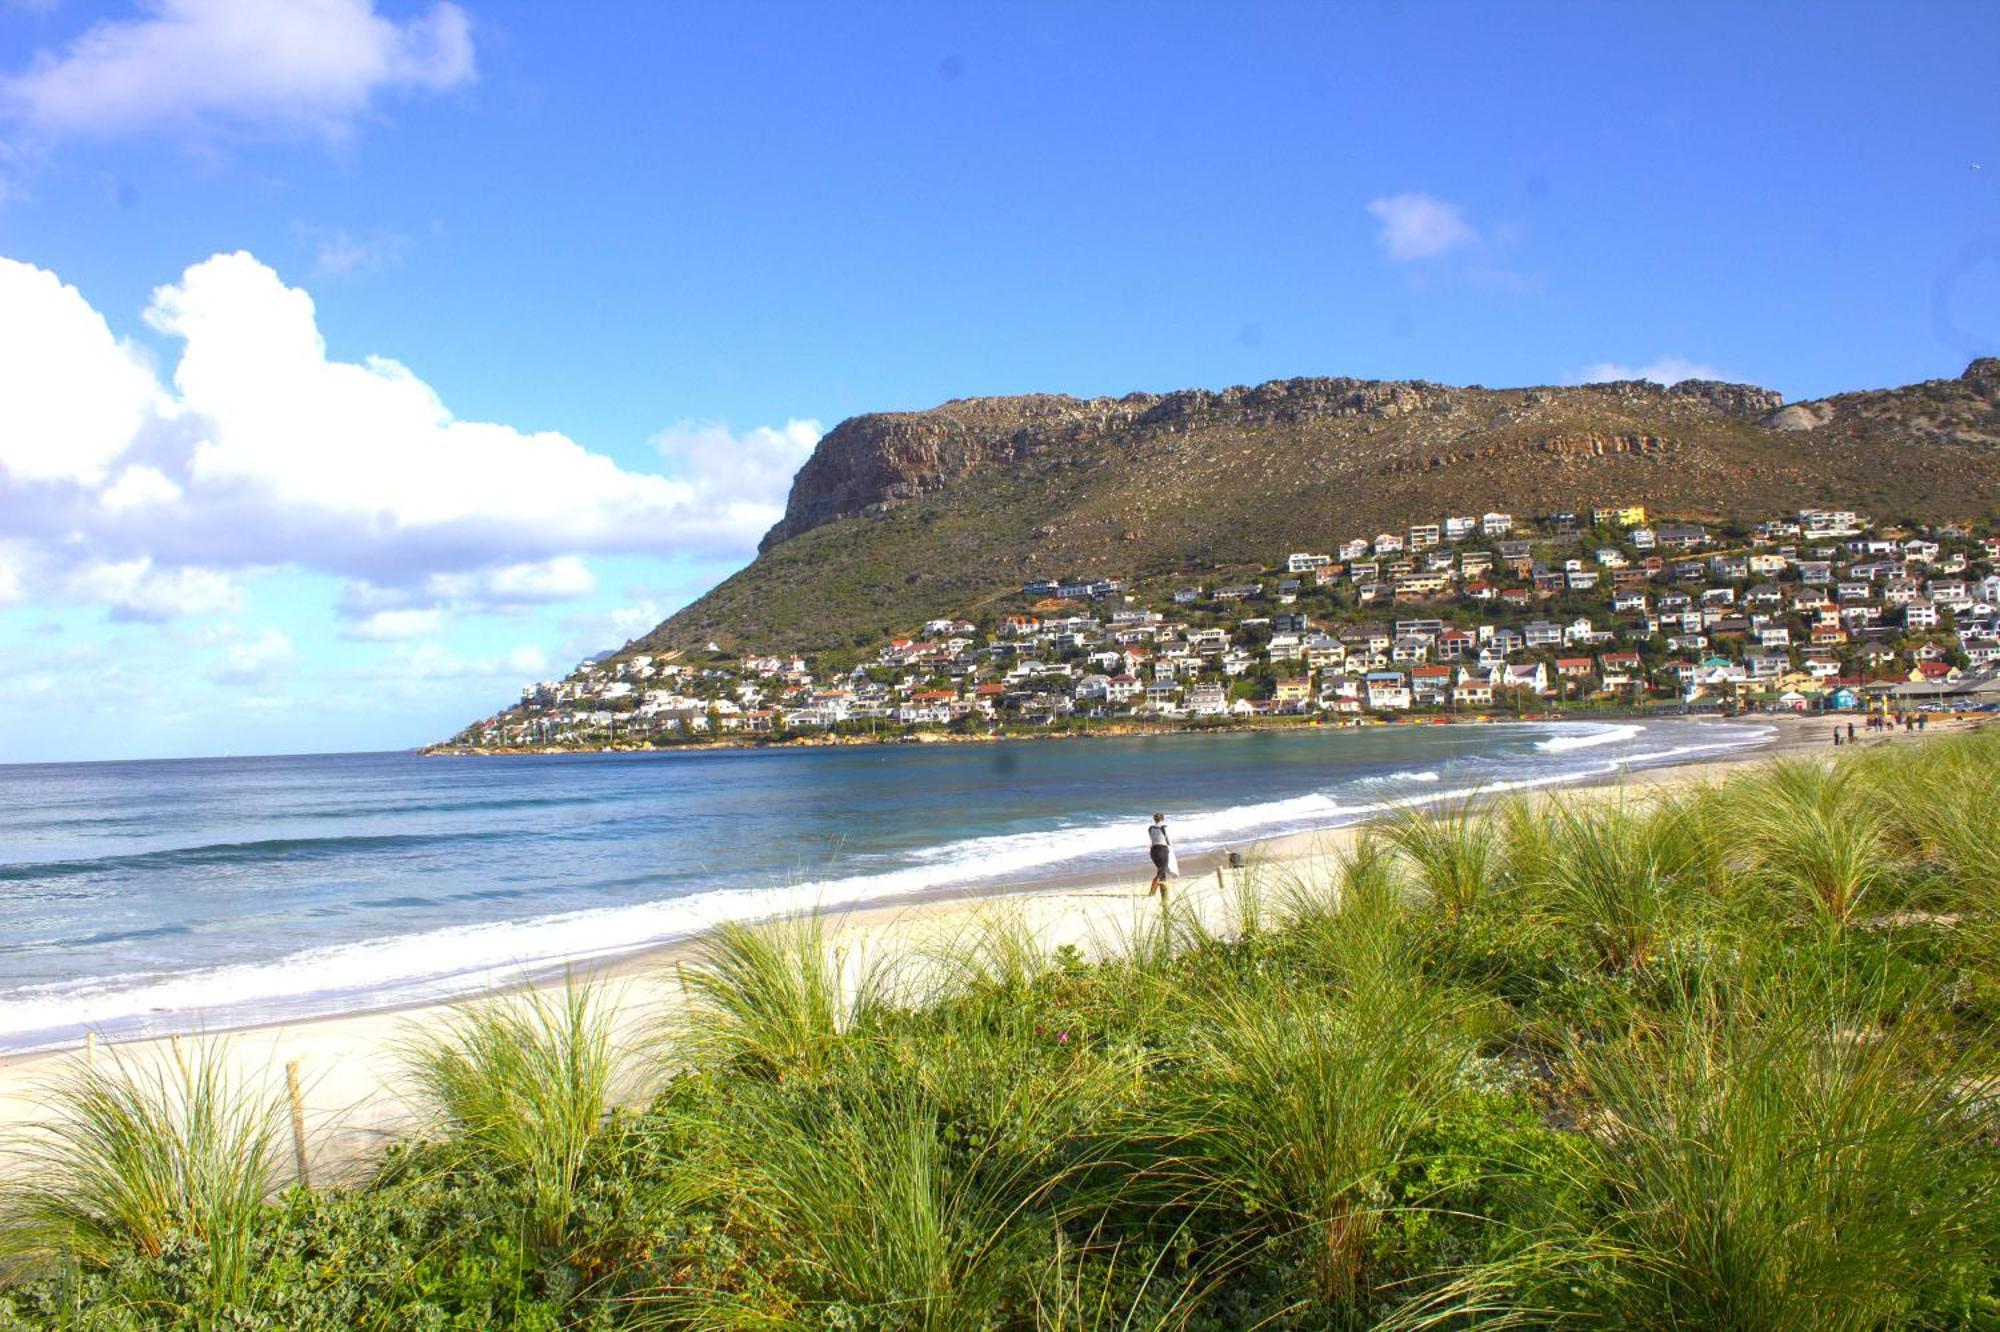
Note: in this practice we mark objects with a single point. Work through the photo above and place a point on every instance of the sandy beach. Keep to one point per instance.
(348, 1064)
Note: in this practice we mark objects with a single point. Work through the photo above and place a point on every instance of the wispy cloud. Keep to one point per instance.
(253, 659)
(139, 590)
(213, 68)
(338, 253)
(1661, 370)
(1418, 226)
(395, 626)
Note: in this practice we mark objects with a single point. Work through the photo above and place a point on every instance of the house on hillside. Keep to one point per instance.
(1430, 686)
(1388, 691)
(1208, 700)
(1293, 692)
(1573, 671)
(1472, 691)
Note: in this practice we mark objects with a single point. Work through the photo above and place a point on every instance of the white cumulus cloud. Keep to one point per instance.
(264, 452)
(746, 473)
(435, 661)
(562, 579)
(72, 396)
(1661, 370)
(311, 67)
(370, 447)
(1419, 226)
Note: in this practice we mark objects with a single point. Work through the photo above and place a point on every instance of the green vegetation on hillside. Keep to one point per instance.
(901, 517)
(1720, 1059)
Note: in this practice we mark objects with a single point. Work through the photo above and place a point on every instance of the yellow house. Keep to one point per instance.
(1630, 515)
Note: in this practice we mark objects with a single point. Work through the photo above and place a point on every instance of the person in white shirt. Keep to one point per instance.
(1162, 850)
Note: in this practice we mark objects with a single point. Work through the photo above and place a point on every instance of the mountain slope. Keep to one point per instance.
(898, 517)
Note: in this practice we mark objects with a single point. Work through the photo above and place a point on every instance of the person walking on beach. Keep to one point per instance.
(1850, 733)
(1162, 851)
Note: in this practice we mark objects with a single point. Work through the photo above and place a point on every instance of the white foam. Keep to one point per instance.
(1594, 734)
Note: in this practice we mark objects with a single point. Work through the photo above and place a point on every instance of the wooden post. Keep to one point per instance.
(1220, 883)
(180, 1057)
(298, 1122)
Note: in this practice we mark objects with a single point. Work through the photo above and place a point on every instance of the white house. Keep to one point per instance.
(1388, 691)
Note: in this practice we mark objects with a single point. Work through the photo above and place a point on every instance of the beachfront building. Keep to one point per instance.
(1388, 691)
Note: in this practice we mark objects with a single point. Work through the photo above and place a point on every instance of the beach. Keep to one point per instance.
(348, 1064)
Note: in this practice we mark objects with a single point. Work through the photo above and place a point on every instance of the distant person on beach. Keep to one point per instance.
(1162, 851)
(1850, 733)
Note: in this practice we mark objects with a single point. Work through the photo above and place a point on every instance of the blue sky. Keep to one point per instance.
(359, 361)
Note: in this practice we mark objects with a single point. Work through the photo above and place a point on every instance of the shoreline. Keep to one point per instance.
(445, 989)
(1112, 731)
(348, 1060)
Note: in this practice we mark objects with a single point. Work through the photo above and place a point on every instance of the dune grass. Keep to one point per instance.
(1816, 839)
(774, 998)
(141, 1157)
(1767, 1158)
(1624, 878)
(1450, 854)
(523, 1086)
(1721, 1060)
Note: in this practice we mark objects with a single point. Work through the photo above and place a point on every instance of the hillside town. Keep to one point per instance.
(1468, 616)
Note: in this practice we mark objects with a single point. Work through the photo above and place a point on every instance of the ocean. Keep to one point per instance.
(145, 897)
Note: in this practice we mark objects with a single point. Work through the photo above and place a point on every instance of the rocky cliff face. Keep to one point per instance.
(868, 463)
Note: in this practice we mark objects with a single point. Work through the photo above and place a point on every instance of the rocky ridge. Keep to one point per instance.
(899, 516)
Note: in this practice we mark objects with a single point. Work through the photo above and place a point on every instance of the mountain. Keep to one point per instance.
(901, 516)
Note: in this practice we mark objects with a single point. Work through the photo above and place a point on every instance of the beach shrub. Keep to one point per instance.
(1623, 878)
(168, 1160)
(1763, 1160)
(1450, 854)
(905, 1188)
(773, 999)
(1816, 841)
(1302, 1103)
(523, 1086)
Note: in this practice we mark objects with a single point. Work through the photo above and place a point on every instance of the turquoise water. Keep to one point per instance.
(156, 896)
